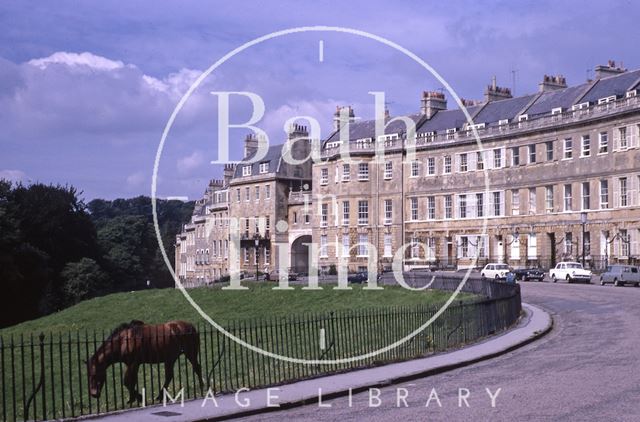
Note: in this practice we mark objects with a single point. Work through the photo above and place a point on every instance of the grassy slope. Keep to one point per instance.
(259, 301)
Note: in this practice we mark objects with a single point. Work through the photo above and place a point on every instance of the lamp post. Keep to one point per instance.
(256, 240)
(583, 220)
(606, 249)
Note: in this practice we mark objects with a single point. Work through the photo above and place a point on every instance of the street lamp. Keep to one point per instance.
(606, 249)
(583, 220)
(256, 241)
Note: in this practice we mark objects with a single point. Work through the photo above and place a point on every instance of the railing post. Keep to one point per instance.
(40, 383)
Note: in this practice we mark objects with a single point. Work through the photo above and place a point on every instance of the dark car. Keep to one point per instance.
(527, 274)
(360, 277)
(275, 275)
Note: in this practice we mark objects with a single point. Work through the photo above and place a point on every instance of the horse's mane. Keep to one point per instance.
(124, 326)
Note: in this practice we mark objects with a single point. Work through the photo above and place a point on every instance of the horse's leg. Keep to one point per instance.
(192, 356)
(131, 382)
(168, 376)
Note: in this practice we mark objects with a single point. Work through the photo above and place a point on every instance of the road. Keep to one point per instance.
(587, 368)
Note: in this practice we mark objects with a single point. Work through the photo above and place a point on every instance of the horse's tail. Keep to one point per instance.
(194, 337)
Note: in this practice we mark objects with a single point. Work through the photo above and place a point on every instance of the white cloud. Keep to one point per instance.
(189, 163)
(84, 93)
(13, 175)
(74, 59)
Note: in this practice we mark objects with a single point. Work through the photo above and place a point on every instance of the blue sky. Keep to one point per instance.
(87, 87)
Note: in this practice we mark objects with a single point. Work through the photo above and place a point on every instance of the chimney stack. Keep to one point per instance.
(431, 103)
(550, 83)
(250, 145)
(495, 92)
(609, 69)
(297, 131)
(342, 116)
(229, 169)
(470, 103)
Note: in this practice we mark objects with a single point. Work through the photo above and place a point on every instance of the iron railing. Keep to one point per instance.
(45, 377)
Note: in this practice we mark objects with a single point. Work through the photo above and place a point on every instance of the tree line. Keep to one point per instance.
(56, 250)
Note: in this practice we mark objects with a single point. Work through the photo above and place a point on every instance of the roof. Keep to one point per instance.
(509, 108)
(492, 112)
(564, 98)
(616, 85)
(447, 119)
(363, 129)
(273, 155)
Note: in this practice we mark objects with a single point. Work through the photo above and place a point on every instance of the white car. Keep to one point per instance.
(570, 271)
(495, 271)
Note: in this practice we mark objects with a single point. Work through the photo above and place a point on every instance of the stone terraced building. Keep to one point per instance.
(556, 177)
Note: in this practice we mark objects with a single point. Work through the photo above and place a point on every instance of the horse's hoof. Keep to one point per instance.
(135, 399)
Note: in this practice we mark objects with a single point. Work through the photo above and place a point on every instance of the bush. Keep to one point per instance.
(82, 280)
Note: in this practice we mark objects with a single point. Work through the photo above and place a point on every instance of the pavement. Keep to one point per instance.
(585, 369)
(317, 392)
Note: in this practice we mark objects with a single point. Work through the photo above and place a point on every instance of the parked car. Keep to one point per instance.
(619, 275)
(495, 271)
(359, 277)
(275, 275)
(527, 274)
(570, 271)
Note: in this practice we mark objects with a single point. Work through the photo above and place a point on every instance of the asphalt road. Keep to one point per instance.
(587, 368)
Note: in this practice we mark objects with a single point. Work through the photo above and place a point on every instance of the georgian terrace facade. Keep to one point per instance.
(236, 220)
(546, 159)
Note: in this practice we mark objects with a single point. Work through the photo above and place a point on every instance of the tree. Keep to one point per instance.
(42, 228)
(55, 250)
(84, 279)
(127, 244)
(171, 215)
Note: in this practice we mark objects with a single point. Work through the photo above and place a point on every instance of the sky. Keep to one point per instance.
(87, 88)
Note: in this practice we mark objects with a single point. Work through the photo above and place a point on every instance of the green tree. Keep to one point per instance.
(42, 228)
(84, 279)
(127, 243)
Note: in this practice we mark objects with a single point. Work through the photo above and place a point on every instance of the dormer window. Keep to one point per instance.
(363, 142)
(607, 99)
(477, 126)
(451, 133)
(246, 170)
(264, 168)
(632, 93)
(557, 110)
(429, 136)
(389, 137)
(580, 106)
(523, 118)
(503, 122)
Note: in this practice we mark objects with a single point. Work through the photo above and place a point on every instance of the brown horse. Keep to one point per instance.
(135, 343)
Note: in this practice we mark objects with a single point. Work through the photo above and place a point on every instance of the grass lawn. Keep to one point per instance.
(260, 301)
(287, 323)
